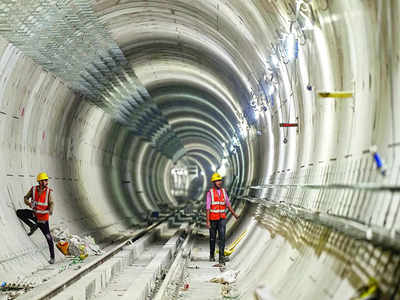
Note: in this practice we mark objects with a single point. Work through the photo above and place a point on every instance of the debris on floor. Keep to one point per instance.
(19, 285)
(193, 267)
(263, 293)
(230, 291)
(70, 244)
(225, 277)
(73, 263)
(11, 290)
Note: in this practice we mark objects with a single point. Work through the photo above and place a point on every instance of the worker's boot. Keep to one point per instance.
(33, 229)
(51, 261)
(221, 261)
(212, 258)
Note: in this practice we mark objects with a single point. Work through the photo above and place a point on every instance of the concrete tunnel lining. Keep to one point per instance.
(215, 57)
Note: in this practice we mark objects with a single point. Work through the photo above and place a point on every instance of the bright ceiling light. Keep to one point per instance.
(274, 60)
(291, 47)
(271, 89)
(222, 170)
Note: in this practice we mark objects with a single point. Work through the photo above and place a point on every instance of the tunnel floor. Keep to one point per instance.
(277, 255)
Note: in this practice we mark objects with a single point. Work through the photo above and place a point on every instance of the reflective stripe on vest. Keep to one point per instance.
(217, 210)
(218, 205)
(35, 196)
(41, 211)
(40, 203)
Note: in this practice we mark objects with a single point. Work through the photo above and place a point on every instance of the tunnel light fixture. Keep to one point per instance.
(292, 46)
(275, 60)
(305, 15)
(243, 130)
(271, 89)
(179, 171)
(222, 170)
(305, 23)
(224, 161)
(235, 142)
(226, 153)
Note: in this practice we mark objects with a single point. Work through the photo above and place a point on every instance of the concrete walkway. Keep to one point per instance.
(198, 275)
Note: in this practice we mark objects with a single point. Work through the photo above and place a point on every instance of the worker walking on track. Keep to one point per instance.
(42, 206)
(217, 202)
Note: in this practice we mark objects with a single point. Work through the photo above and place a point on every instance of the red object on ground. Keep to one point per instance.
(186, 286)
(288, 124)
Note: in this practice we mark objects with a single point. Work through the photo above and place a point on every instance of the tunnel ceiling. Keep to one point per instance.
(157, 68)
(201, 62)
(189, 83)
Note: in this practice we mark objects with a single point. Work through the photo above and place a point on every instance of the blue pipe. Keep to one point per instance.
(378, 160)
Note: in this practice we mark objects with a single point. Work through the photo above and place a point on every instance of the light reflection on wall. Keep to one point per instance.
(179, 181)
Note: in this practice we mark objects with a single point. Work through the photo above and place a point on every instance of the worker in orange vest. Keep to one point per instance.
(42, 206)
(217, 203)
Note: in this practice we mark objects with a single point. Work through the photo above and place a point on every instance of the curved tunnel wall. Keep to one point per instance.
(213, 54)
(46, 127)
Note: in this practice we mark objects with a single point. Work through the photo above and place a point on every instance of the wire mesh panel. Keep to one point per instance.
(66, 38)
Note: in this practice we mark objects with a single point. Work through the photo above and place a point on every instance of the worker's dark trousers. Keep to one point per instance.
(28, 217)
(219, 226)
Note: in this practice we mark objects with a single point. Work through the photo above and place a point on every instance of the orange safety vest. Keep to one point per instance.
(40, 203)
(218, 206)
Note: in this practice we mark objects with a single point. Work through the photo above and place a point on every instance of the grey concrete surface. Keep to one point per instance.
(130, 106)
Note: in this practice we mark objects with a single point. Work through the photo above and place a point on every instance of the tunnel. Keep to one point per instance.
(130, 106)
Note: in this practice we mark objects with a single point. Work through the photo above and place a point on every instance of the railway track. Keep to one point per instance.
(134, 267)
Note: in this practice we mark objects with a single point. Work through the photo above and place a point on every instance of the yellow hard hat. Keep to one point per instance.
(216, 177)
(42, 176)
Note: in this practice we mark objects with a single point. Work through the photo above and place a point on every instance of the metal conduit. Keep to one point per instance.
(378, 236)
(376, 187)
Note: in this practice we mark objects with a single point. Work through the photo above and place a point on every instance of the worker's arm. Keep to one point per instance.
(27, 197)
(228, 205)
(51, 203)
(232, 211)
(208, 207)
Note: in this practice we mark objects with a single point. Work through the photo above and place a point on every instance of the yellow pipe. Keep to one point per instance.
(336, 94)
(232, 247)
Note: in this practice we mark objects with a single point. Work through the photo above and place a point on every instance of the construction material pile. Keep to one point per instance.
(74, 245)
(11, 290)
